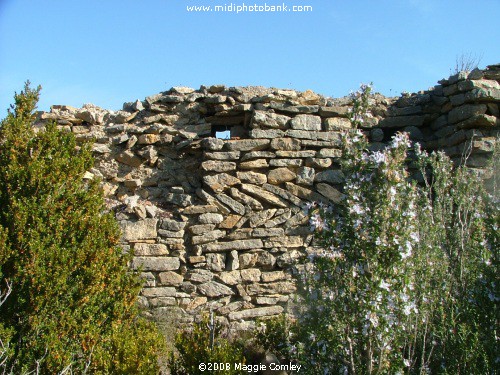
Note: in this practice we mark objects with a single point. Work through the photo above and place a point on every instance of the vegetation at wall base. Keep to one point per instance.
(69, 298)
(204, 345)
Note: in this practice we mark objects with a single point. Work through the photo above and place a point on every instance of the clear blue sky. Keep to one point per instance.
(107, 52)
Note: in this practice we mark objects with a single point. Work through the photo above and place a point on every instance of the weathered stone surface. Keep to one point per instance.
(220, 182)
(215, 289)
(337, 123)
(266, 133)
(270, 120)
(182, 200)
(247, 144)
(128, 158)
(479, 121)
(159, 292)
(233, 245)
(286, 162)
(148, 139)
(255, 313)
(466, 111)
(285, 144)
(216, 262)
(332, 176)
(250, 275)
(247, 200)
(156, 263)
(306, 122)
(334, 111)
(280, 175)
(210, 218)
(318, 162)
(230, 278)
(172, 225)
(230, 221)
(208, 237)
(233, 261)
(139, 230)
(268, 277)
(147, 249)
(212, 144)
(232, 155)
(199, 276)
(170, 278)
(305, 176)
(304, 193)
(330, 192)
(254, 164)
(262, 194)
(218, 166)
(231, 203)
(252, 177)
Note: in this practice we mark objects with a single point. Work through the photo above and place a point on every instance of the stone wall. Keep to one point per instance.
(219, 223)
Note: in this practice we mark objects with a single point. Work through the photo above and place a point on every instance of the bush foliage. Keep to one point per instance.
(407, 281)
(71, 303)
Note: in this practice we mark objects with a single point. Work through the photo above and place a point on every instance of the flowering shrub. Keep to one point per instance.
(406, 281)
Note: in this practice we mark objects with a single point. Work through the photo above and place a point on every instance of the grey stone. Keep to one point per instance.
(305, 176)
(210, 218)
(170, 278)
(376, 135)
(250, 275)
(147, 249)
(260, 193)
(330, 192)
(230, 278)
(280, 175)
(218, 166)
(248, 144)
(216, 262)
(233, 261)
(333, 176)
(220, 182)
(139, 230)
(182, 200)
(266, 133)
(214, 289)
(156, 263)
(233, 245)
(269, 119)
(252, 177)
(208, 237)
(231, 203)
(285, 144)
(255, 313)
(127, 157)
(466, 111)
(199, 276)
(159, 292)
(254, 164)
(212, 144)
(337, 123)
(306, 122)
(233, 155)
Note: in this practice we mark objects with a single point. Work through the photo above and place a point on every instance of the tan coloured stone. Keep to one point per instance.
(280, 175)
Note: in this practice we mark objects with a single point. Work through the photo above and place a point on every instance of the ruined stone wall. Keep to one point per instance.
(219, 223)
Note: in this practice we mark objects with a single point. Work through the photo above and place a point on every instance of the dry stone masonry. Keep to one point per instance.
(219, 223)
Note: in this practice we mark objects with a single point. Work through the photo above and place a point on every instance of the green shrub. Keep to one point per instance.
(408, 278)
(72, 305)
(194, 347)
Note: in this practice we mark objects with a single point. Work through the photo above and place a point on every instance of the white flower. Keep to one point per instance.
(384, 285)
(399, 139)
(378, 157)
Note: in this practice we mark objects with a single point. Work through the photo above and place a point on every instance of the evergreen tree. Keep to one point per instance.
(69, 298)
